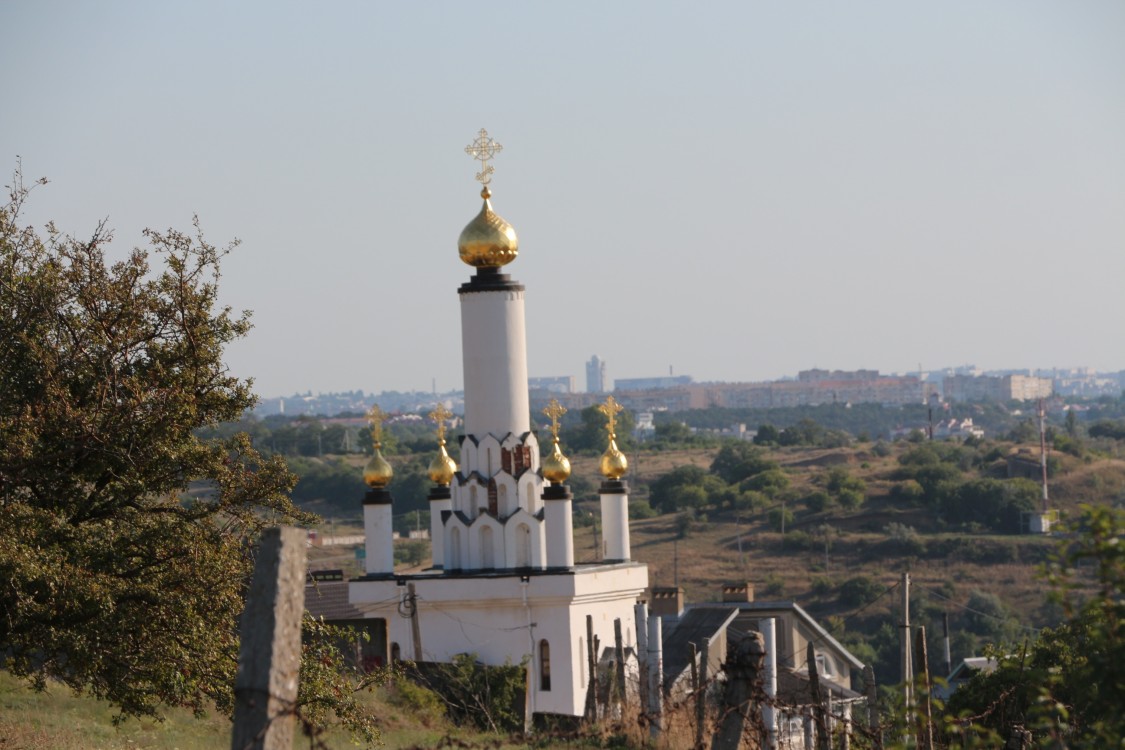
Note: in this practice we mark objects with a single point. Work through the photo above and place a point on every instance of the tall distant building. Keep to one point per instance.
(595, 375)
(504, 585)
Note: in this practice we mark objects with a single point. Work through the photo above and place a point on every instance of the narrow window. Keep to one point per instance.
(544, 665)
(523, 546)
(487, 551)
(396, 653)
(454, 563)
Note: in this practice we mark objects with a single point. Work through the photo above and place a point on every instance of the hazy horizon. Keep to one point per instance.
(737, 190)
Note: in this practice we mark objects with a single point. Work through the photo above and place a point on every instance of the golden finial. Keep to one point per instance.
(442, 468)
(613, 463)
(556, 467)
(377, 473)
(483, 149)
(487, 241)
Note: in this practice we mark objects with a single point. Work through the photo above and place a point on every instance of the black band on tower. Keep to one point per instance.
(490, 280)
(439, 492)
(614, 487)
(377, 496)
(557, 492)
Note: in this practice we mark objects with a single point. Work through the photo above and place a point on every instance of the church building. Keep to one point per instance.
(504, 584)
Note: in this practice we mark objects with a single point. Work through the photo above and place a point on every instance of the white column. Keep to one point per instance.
(768, 627)
(615, 520)
(378, 532)
(494, 350)
(558, 521)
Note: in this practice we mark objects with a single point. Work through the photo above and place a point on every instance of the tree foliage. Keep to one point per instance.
(738, 460)
(1068, 686)
(125, 539)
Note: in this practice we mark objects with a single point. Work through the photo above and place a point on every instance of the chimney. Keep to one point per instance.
(667, 601)
(738, 592)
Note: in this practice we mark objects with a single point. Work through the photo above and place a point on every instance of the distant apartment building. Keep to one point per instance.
(996, 388)
(812, 388)
(557, 384)
(595, 375)
(651, 384)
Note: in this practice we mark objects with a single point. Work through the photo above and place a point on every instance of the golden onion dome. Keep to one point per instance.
(488, 241)
(613, 463)
(378, 473)
(442, 468)
(556, 467)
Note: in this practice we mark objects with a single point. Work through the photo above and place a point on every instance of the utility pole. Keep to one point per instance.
(907, 662)
(415, 627)
(945, 636)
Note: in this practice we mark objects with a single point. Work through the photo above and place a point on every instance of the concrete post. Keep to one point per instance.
(269, 657)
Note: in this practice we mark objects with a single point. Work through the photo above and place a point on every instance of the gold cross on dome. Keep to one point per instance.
(376, 417)
(554, 410)
(610, 409)
(484, 148)
(439, 415)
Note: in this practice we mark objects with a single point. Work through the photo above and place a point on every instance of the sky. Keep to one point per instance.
(736, 191)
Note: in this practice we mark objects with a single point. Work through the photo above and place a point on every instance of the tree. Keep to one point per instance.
(590, 436)
(767, 434)
(1069, 683)
(125, 539)
(738, 460)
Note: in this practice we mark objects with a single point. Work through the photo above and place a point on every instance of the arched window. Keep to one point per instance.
(544, 665)
(523, 546)
(502, 500)
(396, 652)
(454, 562)
(487, 552)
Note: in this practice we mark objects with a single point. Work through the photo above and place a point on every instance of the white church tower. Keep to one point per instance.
(504, 584)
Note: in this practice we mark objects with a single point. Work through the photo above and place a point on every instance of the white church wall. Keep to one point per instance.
(487, 616)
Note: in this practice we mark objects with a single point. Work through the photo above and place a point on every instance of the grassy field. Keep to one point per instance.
(60, 720)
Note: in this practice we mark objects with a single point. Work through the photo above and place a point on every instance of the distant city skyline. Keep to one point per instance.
(737, 190)
(552, 382)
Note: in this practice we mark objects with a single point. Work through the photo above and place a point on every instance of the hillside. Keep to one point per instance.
(856, 518)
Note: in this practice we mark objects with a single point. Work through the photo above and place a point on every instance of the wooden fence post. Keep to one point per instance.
(269, 658)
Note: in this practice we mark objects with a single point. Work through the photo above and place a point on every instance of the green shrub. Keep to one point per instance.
(779, 517)
(641, 509)
(416, 700)
(860, 590)
(818, 502)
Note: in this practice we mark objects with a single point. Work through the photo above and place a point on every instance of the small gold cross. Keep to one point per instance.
(554, 410)
(376, 417)
(483, 149)
(610, 409)
(439, 415)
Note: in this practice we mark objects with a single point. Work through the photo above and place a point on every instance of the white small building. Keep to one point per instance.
(504, 585)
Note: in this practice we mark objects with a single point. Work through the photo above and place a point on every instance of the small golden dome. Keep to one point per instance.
(378, 473)
(556, 467)
(613, 463)
(442, 468)
(488, 241)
